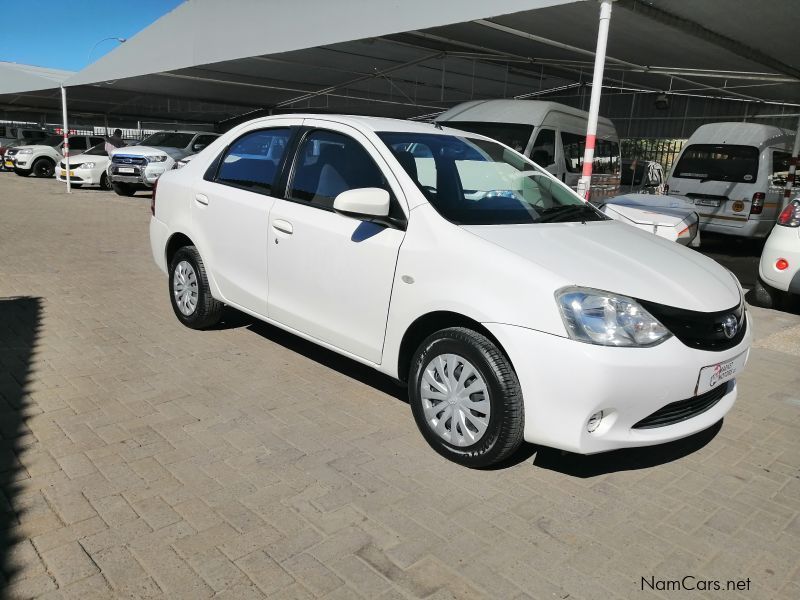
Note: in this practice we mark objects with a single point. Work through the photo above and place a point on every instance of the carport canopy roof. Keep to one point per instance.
(415, 57)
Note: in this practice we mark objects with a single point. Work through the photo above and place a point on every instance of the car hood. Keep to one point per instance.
(174, 153)
(613, 256)
(37, 147)
(84, 158)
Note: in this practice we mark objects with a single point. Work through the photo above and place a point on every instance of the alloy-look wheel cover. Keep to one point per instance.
(184, 287)
(455, 400)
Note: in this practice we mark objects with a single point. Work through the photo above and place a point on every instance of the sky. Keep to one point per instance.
(62, 35)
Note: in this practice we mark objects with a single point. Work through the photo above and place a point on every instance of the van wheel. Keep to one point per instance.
(104, 183)
(43, 167)
(124, 189)
(189, 291)
(466, 398)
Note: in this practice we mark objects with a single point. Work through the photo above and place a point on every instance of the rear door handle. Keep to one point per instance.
(201, 199)
(283, 226)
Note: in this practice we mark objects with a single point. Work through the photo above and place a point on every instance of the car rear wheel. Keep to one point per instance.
(124, 189)
(43, 167)
(190, 293)
(466, 398)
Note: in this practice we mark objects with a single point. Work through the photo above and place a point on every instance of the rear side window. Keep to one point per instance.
(251, 162)
(780, 169)
(330, 163)
(718, 162)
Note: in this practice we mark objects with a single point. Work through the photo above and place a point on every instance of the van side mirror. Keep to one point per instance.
(363, 203)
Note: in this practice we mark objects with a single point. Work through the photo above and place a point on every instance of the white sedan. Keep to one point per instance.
(88, 168)
(779, 268)
(513, 310)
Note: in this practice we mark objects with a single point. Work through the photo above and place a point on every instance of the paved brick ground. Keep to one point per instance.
(143, 460)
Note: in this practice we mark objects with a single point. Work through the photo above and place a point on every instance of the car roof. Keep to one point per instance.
(375, 124)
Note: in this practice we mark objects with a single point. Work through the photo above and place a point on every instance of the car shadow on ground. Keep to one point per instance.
(20, 322)
(349, 368)
(627, 459)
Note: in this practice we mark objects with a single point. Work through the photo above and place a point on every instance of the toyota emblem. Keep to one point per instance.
(730, 326)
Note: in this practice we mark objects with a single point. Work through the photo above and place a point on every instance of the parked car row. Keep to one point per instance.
(135, 166)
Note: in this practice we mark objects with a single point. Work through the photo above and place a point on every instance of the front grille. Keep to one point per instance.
(684, 409)
(700, 330)
(72, 166)
(126, 159)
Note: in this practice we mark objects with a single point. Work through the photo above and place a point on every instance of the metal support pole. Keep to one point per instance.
(66, 135)
(585, 182)
(790, 178)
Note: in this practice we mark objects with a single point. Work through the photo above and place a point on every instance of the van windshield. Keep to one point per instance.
(718, 162)
(513, 135)
(479, 182)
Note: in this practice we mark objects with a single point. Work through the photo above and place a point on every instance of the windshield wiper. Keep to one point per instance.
(567, 212)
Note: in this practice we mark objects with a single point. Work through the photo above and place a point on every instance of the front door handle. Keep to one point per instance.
(201, 199)
(283, 226)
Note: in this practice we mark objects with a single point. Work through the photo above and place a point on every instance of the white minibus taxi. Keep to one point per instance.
(552, 135)
(735, 174)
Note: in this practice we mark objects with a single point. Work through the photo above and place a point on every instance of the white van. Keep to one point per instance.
(552, 135)
(735, 173)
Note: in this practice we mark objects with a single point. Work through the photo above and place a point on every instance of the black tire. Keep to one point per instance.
(765, 295)
(43, 167)
(75, 186)
(105, 184)
(208, 311)
(124, 189)
(504, 431)
(22, 173)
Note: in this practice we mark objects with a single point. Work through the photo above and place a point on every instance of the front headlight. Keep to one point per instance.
(89, 165)
(598, 317)
(25, 151)
(159, 158)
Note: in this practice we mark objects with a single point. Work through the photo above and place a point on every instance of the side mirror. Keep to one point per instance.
(363, 202)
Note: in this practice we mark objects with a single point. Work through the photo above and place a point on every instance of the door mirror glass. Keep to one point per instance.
(363, 202)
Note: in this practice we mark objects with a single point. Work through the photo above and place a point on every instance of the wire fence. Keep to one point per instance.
(664, 151)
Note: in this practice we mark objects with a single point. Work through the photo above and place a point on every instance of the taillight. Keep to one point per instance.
(790, 216)
(153, 199)
(781, 264)
(758, 203)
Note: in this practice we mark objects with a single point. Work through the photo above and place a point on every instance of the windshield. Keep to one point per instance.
(168, 139)
(718, 162)
(97, 150)
(479, 182)
(514, 135)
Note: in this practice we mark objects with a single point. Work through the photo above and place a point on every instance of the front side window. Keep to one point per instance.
(479, 182)
(202, 141)
(513, 135)
(330, 163)
(252, 160)
(718, 162)
(780, 169)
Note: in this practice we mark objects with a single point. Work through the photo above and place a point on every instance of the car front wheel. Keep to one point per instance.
(190, 293)
(466, 398)
(43, 167)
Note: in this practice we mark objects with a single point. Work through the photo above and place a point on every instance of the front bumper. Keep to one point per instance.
(82, 176)
(145, 175)
(564, 382)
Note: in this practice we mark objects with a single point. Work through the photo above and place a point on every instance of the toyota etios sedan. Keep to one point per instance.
(513, 310)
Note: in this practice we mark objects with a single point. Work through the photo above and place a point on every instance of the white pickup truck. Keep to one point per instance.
(41, 158)
(138, 167)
